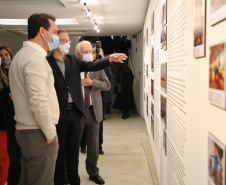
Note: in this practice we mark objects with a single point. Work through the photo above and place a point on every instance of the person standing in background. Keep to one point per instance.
(7, 56)
(4, 158)
(106, 100)
(92, 82)
(35, 101)
(12, 145)
(125, 100)
(66, 70)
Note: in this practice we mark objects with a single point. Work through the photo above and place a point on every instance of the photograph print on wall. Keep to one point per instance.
(152, 23)
(164, 140)
(165, 13)
(200, 28)
(163, 110)
(216, 161)
(162, 27)
(152, 89)
(165, 38)
(152, 59)
(217, 11)
(163, 76)
(217, 69)
(152, 126)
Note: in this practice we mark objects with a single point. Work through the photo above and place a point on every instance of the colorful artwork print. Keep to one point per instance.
(217, 67)
(216, 161)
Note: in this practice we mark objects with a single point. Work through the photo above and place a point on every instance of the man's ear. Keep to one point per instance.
(42, 31)
(78, 55)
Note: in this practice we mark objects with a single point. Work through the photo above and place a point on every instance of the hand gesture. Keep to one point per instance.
(86, 81)
(117, 57)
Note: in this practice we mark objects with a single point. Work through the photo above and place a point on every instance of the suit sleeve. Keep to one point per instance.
(93, 66)
(108, 73)
(102, 83)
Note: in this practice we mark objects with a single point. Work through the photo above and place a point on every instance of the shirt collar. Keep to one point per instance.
(58, 60)
(36, 46)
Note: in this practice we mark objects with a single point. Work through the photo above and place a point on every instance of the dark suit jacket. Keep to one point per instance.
(72, 81)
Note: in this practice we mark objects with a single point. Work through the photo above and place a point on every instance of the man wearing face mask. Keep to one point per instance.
(92, 83)
(35, 101)
(66, 70)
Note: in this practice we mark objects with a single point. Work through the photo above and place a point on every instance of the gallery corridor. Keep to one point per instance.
(128, 158)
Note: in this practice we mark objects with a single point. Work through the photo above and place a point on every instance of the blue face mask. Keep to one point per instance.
(53, 45)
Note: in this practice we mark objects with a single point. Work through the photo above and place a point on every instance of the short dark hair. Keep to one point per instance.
(36, 21)
(61, 31)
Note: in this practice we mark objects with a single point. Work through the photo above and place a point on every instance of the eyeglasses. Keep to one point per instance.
(65, 41)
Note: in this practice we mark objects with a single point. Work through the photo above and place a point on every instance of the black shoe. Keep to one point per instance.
(124, 116)
(83, 150)
(97, 179)
(101, 152)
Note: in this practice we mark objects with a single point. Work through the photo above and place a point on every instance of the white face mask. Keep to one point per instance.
(64, 48)
(88, 57)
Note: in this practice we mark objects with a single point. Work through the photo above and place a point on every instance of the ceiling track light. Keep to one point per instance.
(85, 8)
(81, 1)
(88, 13)
(89, 16)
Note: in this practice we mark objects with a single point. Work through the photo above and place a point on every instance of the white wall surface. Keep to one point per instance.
(187, 129)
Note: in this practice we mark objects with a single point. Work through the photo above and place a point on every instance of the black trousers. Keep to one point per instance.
(68, 137)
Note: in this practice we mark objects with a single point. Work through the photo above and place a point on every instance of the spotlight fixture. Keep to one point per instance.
(95, 27)
(81, 1)
(85, 9)
(89, 13)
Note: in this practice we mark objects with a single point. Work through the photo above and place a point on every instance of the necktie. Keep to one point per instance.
(87, 94)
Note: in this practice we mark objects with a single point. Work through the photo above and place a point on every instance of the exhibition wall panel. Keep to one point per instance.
(184, 97)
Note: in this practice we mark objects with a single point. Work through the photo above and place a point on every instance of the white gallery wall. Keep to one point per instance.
(187, 133)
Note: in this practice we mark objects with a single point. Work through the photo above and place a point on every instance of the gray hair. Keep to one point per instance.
(78, 47)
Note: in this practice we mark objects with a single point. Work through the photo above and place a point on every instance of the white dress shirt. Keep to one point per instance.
(83, 90)
(32, 87)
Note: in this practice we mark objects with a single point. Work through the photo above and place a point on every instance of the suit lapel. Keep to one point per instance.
(56, 67)
(67, 69)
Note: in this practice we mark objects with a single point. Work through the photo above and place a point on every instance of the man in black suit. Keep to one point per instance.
(66, 71)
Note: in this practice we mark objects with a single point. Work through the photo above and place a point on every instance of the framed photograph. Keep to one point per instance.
(163, 110)
(144, 47)
(152, 89)
(164, 139)
(144, 96)
(217, 70)
(216, 161)
(147, 37)
(144, 80)
(165, 13)
(163, 76)
(165, 38)
(147, 103)
(152, 109)
(152, 59)
(152, 23)
(162, 27)
(217, 11)
(152, 127)
(200, 29)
